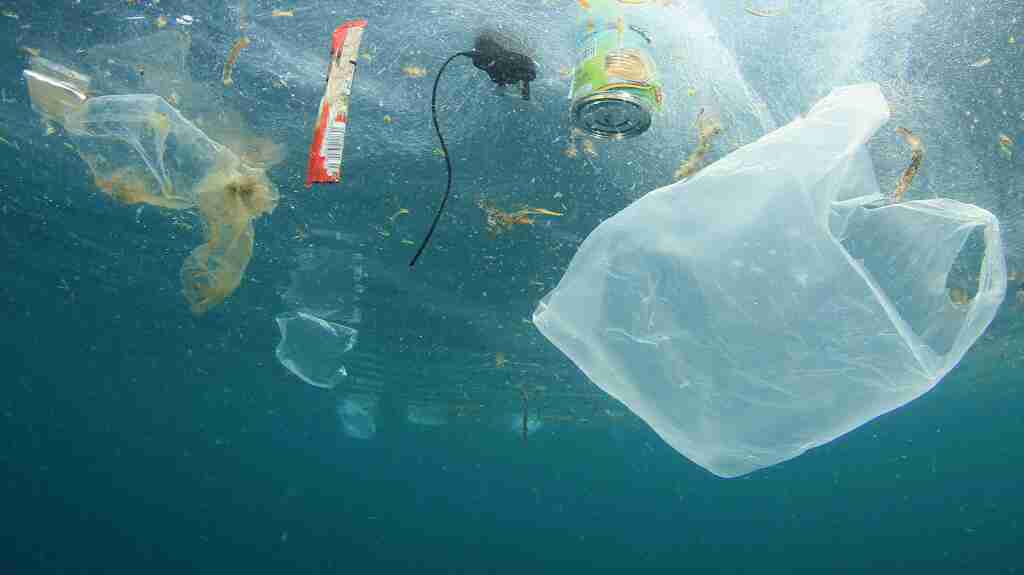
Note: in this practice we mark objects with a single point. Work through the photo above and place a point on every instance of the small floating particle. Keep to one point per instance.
(959, 296)
(981, 63)
(31, 51)
(1006, 146)
(589, 149)
(161, 22)
(10, 14)
(185, 20)
(282, 13)
(414, 71)
(765, 13)
(387, 119)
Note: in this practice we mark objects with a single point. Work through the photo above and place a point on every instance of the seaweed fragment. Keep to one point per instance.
(707, 129)
(229, 65)
(499, 221)
(916, 157)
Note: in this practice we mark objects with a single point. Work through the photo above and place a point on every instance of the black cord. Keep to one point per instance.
(444, 150)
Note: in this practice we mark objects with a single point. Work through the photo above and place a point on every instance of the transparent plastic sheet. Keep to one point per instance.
(358, 416)
(54, 89)
(767, 305)
(313, 348)
(328, 282)
(142, 150)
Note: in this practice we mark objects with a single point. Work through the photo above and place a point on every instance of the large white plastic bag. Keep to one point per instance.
(727, 312)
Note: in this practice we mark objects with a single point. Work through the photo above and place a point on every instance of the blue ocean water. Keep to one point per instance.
(139, 437)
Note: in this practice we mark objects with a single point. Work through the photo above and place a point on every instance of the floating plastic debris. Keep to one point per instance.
(327, 148)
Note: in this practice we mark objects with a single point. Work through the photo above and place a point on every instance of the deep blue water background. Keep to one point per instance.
(138, 438)
(116, 459)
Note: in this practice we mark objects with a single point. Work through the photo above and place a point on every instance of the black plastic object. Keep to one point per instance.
(505, 66)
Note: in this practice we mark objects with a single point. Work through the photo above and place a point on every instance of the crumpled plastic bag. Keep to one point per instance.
(774, 301)
(142, 150)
